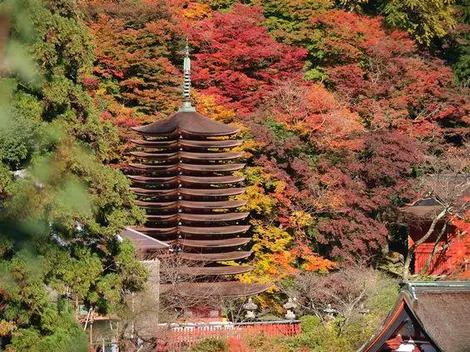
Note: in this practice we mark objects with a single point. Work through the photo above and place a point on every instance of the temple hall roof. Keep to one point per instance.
(438, 310)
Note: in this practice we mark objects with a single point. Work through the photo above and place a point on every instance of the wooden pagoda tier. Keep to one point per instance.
(228, 289)
(184, 174)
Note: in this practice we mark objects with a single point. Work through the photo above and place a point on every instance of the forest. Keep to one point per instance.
(345, 107)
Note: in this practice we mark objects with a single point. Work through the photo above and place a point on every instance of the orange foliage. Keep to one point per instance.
(312, 111)
(196, 11)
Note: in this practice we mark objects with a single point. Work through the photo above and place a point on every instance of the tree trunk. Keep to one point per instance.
(434, 251)
(411, 250)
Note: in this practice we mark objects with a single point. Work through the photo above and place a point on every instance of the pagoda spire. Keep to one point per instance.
(187, 107)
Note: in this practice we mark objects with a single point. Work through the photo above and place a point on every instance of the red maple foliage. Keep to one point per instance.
(350, 179)
(238, 61)
(388, 81)
(339, 155)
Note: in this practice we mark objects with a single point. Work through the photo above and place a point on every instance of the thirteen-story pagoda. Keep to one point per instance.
(186, 176)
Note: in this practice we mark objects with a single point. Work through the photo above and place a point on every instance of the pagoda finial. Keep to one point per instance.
(187, 107)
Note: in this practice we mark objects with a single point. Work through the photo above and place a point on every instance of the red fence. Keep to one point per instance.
(181, 338)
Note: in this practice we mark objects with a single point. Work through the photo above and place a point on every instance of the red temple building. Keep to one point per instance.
(451, 248)
(186, 174)
(427, 317)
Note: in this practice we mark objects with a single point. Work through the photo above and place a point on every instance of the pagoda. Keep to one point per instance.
(186, 174)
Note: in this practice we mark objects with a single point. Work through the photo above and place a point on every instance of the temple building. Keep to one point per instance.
(186, 174)
(427, 317)
(449, 249)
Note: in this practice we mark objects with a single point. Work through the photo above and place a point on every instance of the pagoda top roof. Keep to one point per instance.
(189, 123)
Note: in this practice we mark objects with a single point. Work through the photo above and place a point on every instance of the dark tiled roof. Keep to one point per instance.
(442, 310)
(191, 123)
(429, 207)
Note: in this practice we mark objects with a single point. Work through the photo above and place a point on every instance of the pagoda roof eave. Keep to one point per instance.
(225, 243)
(190, 192)
(168, 168)
(187, 123)
(213, 156)
(214, 257)
(228, 204)
(190, 230)
(227, 289)
(215, 270)
(200, 218)
(202, 144)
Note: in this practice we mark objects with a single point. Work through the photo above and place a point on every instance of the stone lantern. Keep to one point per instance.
(330, 312)
(290, 306)
(250, 308)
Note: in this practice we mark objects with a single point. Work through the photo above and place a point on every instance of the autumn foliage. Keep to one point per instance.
(337, 111)
(238, 61)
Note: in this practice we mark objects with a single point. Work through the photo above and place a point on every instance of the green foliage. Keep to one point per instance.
(309, 323)
(64, 339)
(319, 338)
(61, 213)
(17, 136)
(29, 303)
(288, 19)
(210, 345)
(462, 65)
(458, 53)
(425, 20)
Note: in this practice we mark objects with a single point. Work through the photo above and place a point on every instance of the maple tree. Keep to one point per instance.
(336, 108)
(134, 77)
(341, 177)
(387, 81)
(237, 61)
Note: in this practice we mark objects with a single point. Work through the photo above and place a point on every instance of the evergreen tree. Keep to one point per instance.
(61, 206)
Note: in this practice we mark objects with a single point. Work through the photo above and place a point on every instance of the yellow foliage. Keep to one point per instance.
(270, 239)
(258, 201)
(6, 327)
(255, 175)
(301, 219)
(207, 105)
(272, 261)
(100, 91)
(249, 146)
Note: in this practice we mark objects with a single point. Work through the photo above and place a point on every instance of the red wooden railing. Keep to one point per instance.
(182, 337)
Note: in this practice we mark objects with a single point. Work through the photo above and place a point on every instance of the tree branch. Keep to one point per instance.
(411, 250)
(434, 251)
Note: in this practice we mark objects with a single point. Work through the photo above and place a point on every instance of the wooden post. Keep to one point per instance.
(90, 335)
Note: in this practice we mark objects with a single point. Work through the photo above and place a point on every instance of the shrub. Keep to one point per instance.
(310, 323)
(210, 345)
